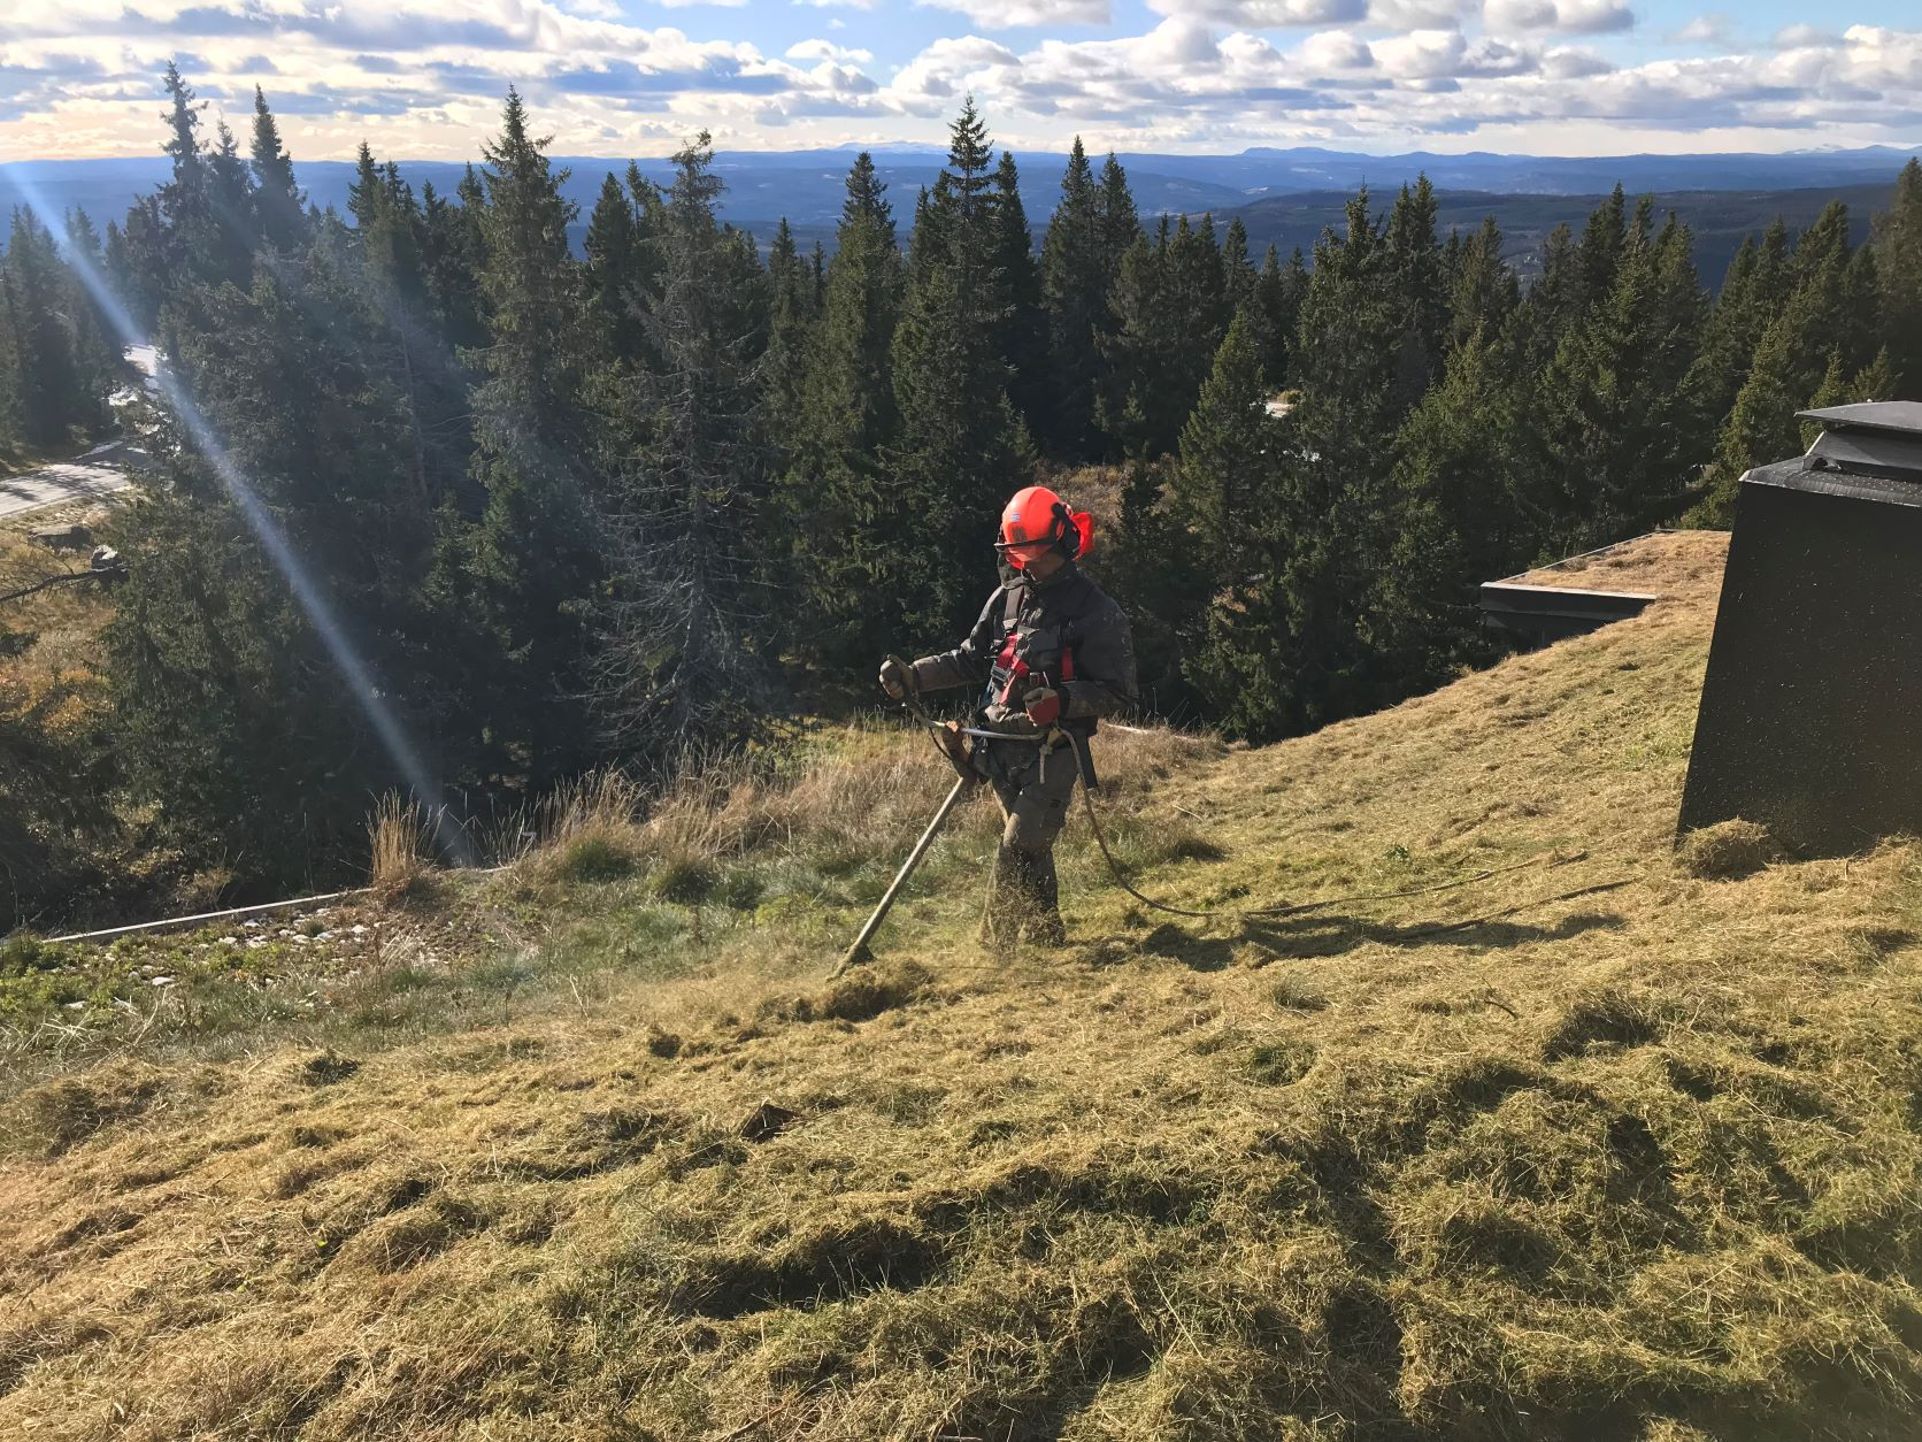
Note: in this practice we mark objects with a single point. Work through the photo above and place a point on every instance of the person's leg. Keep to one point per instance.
(1046, 926)
(1002, 904)
(1035, 819)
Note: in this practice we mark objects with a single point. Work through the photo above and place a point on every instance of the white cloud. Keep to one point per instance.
(1569, 62)
(828, 50)
(1015, 14)
(1435, 54)
(1337, 50)
(1800, 37)
(1711, 29)
(424, 78)
(1572, 17)
(1593, 17)
(1423, 14)
(1264, 14)
(946, 70)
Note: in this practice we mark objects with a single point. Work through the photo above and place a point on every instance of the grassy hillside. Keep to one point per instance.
(1608, 1144)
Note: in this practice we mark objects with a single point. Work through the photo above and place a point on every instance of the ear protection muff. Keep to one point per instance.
(1067, 532)
(1077, 531)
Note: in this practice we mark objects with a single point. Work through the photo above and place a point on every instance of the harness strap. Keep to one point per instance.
(1006, 660)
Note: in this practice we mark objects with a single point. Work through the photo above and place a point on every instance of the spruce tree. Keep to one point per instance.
(223, 680)
(1553, 304)
(96, 353)
(1414, 269)
(50, 398)
(279, 207)
(1600, 250)
(1761, 426)
(617, 274)
(687, 616)
(1135, 356)
(1457, 498)
(1337, 524)
(1622, 440)
(12, 425)
(1830, 308)
(1237, 269)
(1224, 493)
(451, 250)
(790, 327)
(1115, 204)
(231, 199)
(527, 573)
(834, 503)
(1170, 309)
(1897, 243)
(1874, 382)
(1023, 339)
(1075, 282)
(1483, 290)
(959, 452)
(171, 239)
(1276, 310)
(367, 191)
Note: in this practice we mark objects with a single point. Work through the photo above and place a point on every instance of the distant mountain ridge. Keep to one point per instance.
(806, 186)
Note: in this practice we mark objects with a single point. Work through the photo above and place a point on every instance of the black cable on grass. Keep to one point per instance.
(912, 704)
(1300, 907)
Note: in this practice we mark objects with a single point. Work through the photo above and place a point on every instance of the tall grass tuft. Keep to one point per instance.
(397, 838)
(588, 832)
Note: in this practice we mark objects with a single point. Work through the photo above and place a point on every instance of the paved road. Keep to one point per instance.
(94, 474)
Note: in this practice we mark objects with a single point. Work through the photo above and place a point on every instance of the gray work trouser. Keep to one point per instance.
(1034, 788)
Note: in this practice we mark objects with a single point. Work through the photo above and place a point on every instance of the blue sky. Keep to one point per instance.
(423, 78)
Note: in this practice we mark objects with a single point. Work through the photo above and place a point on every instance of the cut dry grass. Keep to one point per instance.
(1727, 851)
(1502, 1161)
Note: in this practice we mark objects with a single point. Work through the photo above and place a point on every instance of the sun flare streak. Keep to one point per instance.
(306, 589)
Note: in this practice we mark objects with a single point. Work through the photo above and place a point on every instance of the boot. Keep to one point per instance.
(1044, 926)
(1013, 903)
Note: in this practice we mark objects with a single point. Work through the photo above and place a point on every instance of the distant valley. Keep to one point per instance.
(1284, 197)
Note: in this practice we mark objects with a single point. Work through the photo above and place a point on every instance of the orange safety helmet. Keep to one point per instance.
(1036, 521)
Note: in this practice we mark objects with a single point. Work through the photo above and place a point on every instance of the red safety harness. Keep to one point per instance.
(1016, 667)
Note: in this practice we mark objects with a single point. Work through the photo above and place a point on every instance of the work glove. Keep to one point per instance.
(897, 678)
(1043, 704)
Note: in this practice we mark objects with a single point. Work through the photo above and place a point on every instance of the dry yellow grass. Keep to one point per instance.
(64, 622)
(398, 845)
(1523, 1159)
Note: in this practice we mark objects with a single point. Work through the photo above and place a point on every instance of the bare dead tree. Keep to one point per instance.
(685, 623)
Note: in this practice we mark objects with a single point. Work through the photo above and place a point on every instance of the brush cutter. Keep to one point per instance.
(859, 952)
(951, 739)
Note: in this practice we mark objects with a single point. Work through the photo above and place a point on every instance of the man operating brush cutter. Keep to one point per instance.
(1052, 654)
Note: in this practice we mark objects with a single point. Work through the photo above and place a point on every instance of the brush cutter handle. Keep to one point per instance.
(859, 952)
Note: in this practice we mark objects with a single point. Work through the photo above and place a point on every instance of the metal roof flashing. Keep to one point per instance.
(1851, 485)
(1878, 439)
(1895, 417)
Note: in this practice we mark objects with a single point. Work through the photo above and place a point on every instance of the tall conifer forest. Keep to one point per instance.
(681, 488)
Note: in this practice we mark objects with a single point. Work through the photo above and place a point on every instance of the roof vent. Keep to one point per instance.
(1876, 438)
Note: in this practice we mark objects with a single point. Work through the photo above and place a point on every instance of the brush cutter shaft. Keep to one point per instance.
(859, 951)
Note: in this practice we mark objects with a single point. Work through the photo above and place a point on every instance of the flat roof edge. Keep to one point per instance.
(1643, 596)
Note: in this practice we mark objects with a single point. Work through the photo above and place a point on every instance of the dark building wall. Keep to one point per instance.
(1811, 714)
